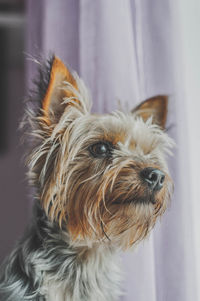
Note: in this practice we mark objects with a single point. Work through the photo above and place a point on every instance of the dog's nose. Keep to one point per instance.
(154, 177)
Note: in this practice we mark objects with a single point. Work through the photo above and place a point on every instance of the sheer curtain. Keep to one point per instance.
(129, 50)
(187, 20)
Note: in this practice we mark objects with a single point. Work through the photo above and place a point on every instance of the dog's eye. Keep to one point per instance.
(100, 149)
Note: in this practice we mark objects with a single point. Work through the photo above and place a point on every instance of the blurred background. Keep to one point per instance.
(128, 50)
(13, 188)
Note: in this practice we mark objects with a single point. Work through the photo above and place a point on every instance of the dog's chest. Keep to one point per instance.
(55, 292)
(97, 278)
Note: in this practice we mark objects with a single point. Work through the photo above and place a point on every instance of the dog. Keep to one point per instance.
(100, 184)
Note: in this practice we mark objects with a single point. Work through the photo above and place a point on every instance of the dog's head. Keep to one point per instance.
(104, 177)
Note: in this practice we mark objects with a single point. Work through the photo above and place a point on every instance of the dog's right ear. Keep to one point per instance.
(60, 89)
(155, 107)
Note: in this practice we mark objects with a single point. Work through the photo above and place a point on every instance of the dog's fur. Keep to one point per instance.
(90, 198)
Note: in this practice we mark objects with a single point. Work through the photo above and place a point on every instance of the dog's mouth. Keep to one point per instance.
(145, 200)
(148, 199)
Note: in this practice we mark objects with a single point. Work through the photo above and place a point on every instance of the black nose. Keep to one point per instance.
(154, 177)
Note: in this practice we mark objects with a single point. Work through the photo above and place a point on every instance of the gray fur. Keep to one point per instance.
(44, 258)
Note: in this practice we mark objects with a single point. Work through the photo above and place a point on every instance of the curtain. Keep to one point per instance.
(127, 51)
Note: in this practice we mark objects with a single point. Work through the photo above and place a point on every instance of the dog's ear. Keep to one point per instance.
(155, 107)
(61, 89)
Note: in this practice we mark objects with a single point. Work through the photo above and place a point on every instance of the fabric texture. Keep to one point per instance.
(124, 52)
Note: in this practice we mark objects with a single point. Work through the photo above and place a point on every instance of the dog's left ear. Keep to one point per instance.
(155, 107)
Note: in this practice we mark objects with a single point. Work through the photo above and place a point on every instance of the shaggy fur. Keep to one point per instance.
(90, 198)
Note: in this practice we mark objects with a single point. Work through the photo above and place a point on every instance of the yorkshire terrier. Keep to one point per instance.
(101, 182)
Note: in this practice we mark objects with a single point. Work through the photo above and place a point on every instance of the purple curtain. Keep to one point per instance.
(124, 51)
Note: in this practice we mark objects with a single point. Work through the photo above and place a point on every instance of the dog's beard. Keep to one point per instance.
(113, 205)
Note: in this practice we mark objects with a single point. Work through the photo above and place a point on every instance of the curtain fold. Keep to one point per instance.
(125, 50)
(107, 53)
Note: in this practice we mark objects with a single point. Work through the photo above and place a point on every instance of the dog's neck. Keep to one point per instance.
(70, 272)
